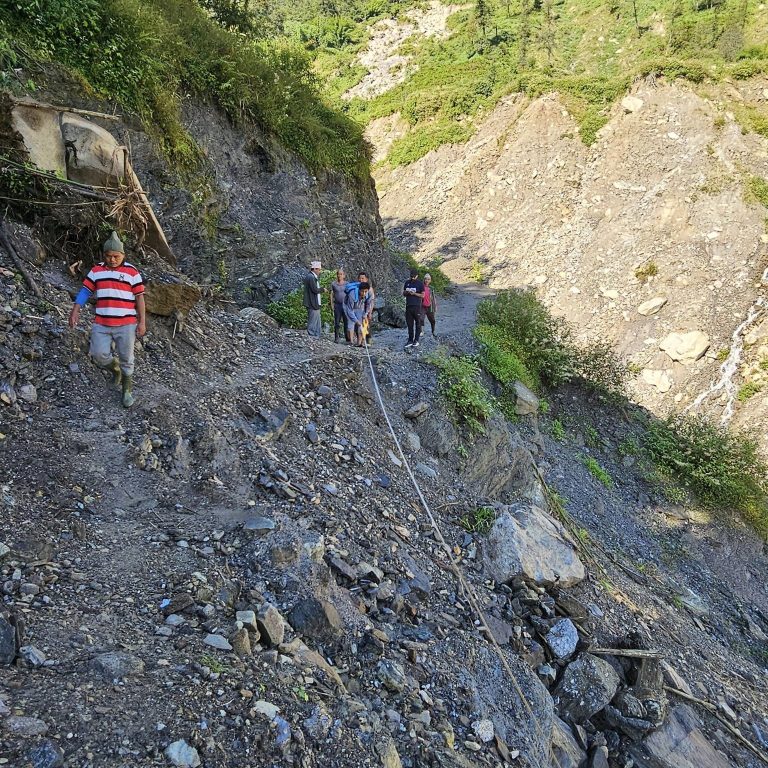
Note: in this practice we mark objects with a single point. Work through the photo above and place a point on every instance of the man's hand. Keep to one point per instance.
(141, 328)
(74, 315)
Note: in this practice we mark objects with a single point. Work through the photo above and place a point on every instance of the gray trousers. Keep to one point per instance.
(123, 336)
(314, 324)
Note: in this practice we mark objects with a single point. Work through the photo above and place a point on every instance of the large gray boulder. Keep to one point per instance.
(499, 465)
(679, 743)
(526, 541)
(587, 686)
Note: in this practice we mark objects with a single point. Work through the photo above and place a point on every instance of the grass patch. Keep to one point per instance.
(722, 469)
(757, 190)
(748, 390)
(597, 471)
(480, 520)
(460, 384)
(557, 430)
(419, 142)
(646, 271)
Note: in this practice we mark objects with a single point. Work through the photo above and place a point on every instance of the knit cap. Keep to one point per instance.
(113, 244)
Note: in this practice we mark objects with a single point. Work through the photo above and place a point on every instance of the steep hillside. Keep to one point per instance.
(238, 571)
(668, 206)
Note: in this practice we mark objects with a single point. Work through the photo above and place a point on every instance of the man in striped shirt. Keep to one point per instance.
(120, 313)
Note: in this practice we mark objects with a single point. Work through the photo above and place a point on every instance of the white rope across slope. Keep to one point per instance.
(471, 596)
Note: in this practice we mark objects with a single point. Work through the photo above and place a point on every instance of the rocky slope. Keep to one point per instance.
(238, 570)
(649, 235)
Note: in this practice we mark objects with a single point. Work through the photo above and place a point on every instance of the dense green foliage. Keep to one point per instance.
(590, 52)
(290, 310)
(521, 340)
(464, 392)
(146, 55)
(723, 469)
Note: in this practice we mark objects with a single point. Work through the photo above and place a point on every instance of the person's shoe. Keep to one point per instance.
(415, 344)
(128, 398)
(117, 374)
(409, 345)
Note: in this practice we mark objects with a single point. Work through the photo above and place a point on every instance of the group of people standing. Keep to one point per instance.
(420, 303)
(353, 304)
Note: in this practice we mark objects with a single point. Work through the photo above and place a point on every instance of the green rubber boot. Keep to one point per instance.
(128, 399)
(117, 374)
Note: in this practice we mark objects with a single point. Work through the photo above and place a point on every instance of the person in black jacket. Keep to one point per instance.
(413, 290)
(312, 299)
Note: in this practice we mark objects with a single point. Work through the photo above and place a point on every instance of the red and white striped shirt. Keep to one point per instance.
(116, 291)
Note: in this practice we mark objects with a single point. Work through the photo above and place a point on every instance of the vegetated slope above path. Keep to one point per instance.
(129, 559)
(669, 205)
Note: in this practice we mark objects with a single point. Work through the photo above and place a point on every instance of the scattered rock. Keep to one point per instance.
(5, 550)
(318, 723)
(248, 620)
(259, 525)
(658, 379)
(415, 411)
(115, 665)
(652, 306)
(46, 754)
(270, 425)
(182, 754)
(28, 393)
(562, 639)
(587, 685)
(484, 730)
(388, 754)
(25, 727)
(391, 675)
(270, 624)
(316, 618)
(526, 402)
(267, 709)
(217, 641)
(525, 541)
(413, 442)
(426, 470)
(631, 104)
(393, 458)
(32, 656)
(685, 347)
(7, 642)
(565, 748)
(240, 641)
(680, 743)
(672, 678)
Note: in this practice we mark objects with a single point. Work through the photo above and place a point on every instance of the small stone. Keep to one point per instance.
(652, 306)
(25, 727)
(394, 458)
(270, 624)
(587, 685)
(32, 656)
(28, 393)
(383, 481)
(5, 550)
(631, 104)
(7, 642)
(217, 641)
(284, 733)
(473, 746)
(526, 402)
(685, 347)
(415, 411)
(241, 642)
(29, 589)
(266, 708)
(46, 754)
(562, 639)
(413, 441)
(247, 619)
(426, 470)
(316, 618)
(115, 665)
(174, 620)
(484, 730)
(318, 723)
(259, 525)
(182, 754)
(324, 391)
(599, 758)
(391, 675)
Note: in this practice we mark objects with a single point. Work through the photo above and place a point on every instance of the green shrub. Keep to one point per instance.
(601, 369)
(558, 430)
(646, 271)
(460, 384)
(500, 358)
(591, 122)
(748, 390)
(597, 471)
(722, 469)
(540, 341)
(480, 520)
(290, 310)
(424, 138)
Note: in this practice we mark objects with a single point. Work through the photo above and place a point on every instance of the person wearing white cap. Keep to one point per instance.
(312, 299)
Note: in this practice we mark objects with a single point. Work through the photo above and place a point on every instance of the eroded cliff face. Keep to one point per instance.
(250, 215)
(652, 231)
